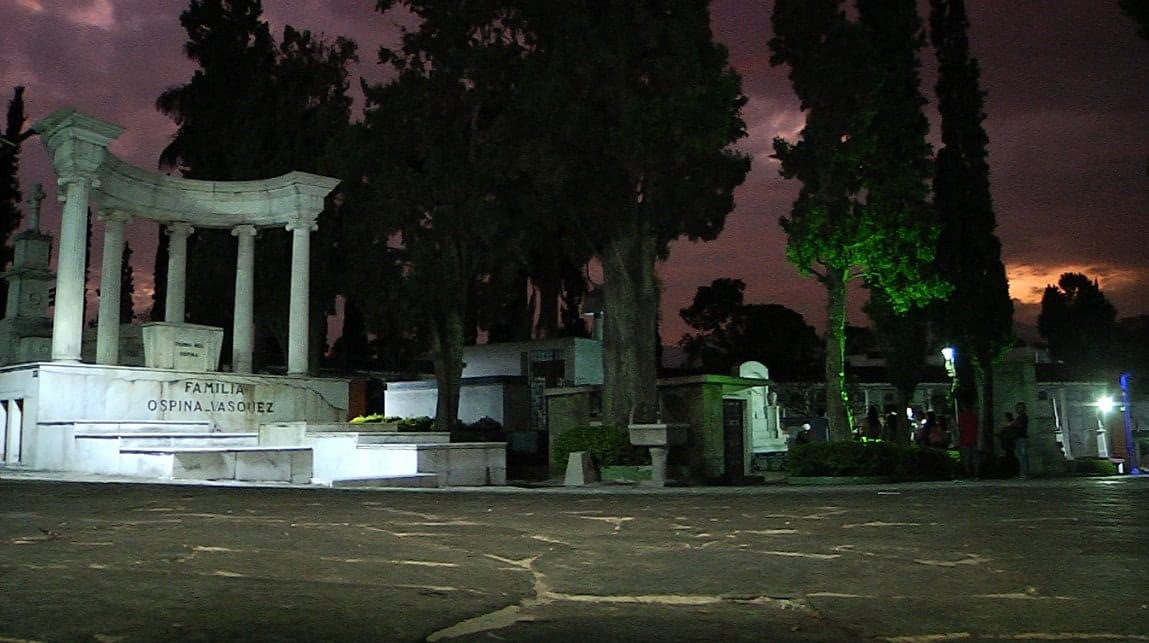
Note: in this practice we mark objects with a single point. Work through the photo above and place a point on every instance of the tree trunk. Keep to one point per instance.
(984, 372)
(630, 337)
(837, 402)
(447, 351)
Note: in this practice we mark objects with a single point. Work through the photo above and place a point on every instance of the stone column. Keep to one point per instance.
(68, 320)
(298, 326)
(108, 328)
(78, 145)
(243, 331)
(177, 271)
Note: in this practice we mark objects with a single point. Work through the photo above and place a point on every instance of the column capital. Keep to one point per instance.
(302, 223)
(180, 228)
(246, 229)
(114, 215)
(86, 179)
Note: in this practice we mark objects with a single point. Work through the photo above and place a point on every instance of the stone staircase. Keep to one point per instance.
(331, 454)
(175, 450)
(348, 455)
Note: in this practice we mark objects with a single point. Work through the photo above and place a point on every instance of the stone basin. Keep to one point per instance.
(658, 434)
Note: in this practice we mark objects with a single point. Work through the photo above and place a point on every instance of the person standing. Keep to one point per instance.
(1021, 439)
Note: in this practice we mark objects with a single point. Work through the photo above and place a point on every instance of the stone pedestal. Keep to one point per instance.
(658, 437)
(182, 347)
(580, 470)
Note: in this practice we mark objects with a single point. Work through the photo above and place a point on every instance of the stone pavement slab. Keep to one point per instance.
(1035, 560)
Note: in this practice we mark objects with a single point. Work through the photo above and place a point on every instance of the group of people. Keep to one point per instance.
(1013, 438)
(934, 431)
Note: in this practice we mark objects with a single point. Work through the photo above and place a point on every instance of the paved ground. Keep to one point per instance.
(1062, 560)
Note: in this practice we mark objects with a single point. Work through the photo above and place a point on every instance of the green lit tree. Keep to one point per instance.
(863, 161)
(1078, 321)
(977, 318)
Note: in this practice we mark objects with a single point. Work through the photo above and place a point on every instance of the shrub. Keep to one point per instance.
(1094, 467)
(416, 425)
(608, 445)
(484, 429)
(485, 425)
(869, 459)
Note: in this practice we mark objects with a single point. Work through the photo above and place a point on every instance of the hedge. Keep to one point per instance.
(869, 459)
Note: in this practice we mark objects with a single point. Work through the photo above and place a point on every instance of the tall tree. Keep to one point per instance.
(443, 182)
(977, 318)
(127, 285)
(637, 108)
(903, 338)
(1138, 10)
(1078, 321)
(10, 196)
(255, 109)
(731, 332)
(863, 161)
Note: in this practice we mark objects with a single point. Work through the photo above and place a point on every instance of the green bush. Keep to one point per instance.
(869, 459)
(1094, 467)
(608, 446)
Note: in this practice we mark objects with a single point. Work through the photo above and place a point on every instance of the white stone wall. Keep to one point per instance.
(476, 401)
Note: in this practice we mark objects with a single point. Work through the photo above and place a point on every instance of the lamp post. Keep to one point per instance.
(1131, 449)
(949, 353)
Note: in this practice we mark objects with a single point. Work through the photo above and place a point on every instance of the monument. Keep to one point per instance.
(49, 396)
(178, 416)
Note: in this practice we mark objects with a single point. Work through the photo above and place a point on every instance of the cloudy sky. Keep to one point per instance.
(1068, 106)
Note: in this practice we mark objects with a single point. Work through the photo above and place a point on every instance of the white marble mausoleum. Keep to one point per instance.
(178, 416)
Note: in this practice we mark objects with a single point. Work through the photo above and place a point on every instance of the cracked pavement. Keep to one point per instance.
(1060, 560)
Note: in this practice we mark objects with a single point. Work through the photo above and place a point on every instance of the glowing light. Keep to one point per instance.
(1105, 403)
(948, 353)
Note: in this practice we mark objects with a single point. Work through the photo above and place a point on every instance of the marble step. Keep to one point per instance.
(253, 463)
(87, 427)
(414, 480)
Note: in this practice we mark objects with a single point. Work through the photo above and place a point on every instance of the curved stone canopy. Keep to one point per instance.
(120, 186)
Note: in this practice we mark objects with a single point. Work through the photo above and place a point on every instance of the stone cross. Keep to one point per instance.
(34, 201)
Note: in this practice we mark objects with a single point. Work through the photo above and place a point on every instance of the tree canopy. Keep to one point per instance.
(443, 186)
(636, 107)
(731, 332)
(1078, 321)
(977, 318)
(1138, 10)
(255, 108)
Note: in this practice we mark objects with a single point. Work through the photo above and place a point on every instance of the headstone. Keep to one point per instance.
(182, 347)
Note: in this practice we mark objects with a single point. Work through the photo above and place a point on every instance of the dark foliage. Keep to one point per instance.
(608, 445)
(869, 459)
(731, 332)
(1078, 321)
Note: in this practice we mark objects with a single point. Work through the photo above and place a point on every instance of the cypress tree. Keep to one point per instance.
(978, 316)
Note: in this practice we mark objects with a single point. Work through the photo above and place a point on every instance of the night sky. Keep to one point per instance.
(1068, 122)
